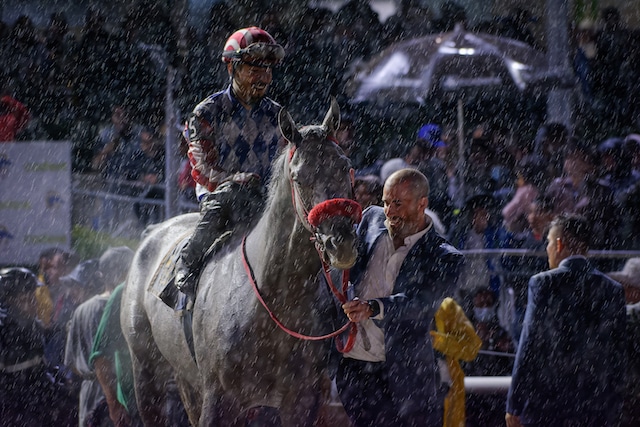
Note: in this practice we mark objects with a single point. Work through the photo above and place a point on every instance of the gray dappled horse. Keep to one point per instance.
(243, 359)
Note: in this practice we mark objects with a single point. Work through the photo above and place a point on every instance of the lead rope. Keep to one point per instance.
(342, 297)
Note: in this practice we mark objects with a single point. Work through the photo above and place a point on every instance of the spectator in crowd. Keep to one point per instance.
(529, 173)
(151, 163)
(73, 292)
(541, 213)
(80, 334)
(22, 65)
(119, 158)
(92, 67)
(118, 144)
(629, 199)
(570, 362)
(367, 191)
(310, 75)
(86, 281)
(346, 139)
(26, 391)
(429, 138)
(451, 13)
(585, 56)
(614, 154)
(614, 170)
(494, 337)
(111, 361)
(412, 19)
(57, 74)
(412, 157)
(13, 115)
(354, 21)
(579, 191)
(233, 137)
(629, 278)
(517, 25)
(549, 144)
(478, 228)
(53, 263)
(475, 177)
(495, 359)
(612, 46)
(519, 269)
(403, 273)
(150, 157)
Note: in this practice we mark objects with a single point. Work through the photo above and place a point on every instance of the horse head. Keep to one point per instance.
(321, 180)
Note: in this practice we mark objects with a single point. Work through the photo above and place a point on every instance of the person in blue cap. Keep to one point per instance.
(429, 139)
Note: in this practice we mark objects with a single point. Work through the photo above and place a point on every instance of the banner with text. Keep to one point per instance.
(35, 199)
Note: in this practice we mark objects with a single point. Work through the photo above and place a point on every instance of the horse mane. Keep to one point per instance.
(277, 170)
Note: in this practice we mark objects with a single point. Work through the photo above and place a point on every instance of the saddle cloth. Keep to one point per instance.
(162, 284)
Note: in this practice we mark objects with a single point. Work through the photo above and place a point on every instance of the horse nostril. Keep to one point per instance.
(334, 242)
(330, 244)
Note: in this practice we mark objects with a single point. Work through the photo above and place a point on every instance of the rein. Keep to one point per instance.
(352, 333)
(310, 221)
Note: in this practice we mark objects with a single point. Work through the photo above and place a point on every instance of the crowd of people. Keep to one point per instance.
(63, 357)
(503, 193)
(68, 79)
(65, 82)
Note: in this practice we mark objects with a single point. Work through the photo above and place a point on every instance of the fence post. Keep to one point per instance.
(172, 158)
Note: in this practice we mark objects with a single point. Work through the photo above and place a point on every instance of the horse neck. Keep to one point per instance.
(280, 247)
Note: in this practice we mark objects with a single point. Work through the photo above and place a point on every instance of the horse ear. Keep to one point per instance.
(332, 119)
(288, 127)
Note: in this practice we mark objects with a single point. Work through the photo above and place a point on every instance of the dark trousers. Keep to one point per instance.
(370, 398)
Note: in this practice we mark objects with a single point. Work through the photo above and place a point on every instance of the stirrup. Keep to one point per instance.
(186, 282)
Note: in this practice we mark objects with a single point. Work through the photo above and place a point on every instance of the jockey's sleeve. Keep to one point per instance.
(203, 153)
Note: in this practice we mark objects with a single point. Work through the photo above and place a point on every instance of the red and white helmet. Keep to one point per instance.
(252, 43)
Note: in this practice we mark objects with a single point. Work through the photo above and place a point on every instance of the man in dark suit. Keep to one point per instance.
(570, 363)
(403, 272)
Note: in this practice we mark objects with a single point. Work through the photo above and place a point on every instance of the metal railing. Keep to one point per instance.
(120, 207)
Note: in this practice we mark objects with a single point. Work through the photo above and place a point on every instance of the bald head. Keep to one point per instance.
(415, 180)
(405, 199)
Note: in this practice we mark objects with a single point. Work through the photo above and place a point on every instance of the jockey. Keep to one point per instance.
(233, 136)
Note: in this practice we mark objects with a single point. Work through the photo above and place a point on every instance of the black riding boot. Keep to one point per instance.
(212, 225)
(231, 205)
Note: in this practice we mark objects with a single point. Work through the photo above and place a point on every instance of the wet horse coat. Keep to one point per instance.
(242, 358)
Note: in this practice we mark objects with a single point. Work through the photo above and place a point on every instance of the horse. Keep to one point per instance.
(256, 320)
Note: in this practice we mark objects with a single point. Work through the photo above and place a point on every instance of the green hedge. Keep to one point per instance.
(88, 243)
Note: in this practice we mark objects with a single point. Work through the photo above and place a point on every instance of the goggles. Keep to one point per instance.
(261, 54)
